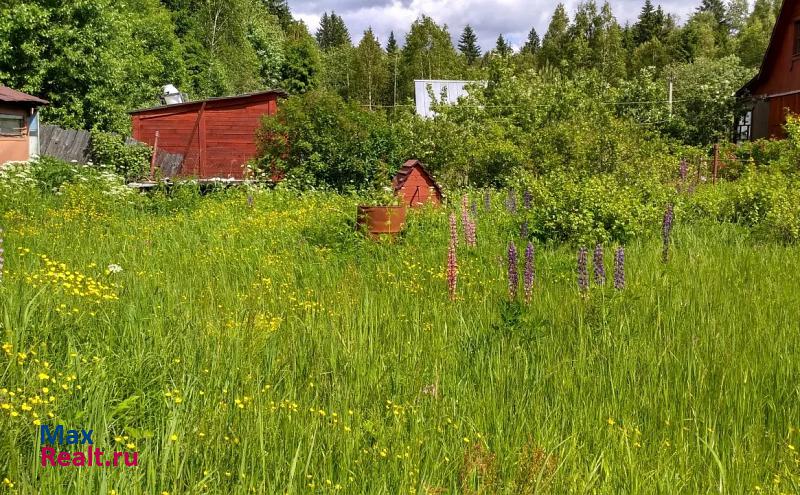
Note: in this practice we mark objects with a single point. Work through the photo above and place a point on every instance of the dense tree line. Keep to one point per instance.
(96, 59)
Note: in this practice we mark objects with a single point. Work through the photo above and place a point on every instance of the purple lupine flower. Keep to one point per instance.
(487, 201)
(523, 230)
(511, 202)
(583, 274)
(527, 198)
(250, 200)
(470, 233)
(464, 212)
(599, 266)
(619, 268)
(666, 230)
(2, 253)
(513, 276)
(684, 169)
(530, 272)
(474, 208)
(452, 263)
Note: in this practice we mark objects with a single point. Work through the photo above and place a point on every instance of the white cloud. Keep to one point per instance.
(512, 18)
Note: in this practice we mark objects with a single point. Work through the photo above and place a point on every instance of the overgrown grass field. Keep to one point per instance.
(268, 348)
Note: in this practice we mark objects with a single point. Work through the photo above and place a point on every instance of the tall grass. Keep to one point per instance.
(270, 349)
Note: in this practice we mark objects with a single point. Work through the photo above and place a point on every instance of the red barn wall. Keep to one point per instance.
(419, 189)
(781, 71)
(216, 137)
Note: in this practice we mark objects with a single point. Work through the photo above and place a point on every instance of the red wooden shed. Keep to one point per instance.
(416, 185)
(775, 90)
(216, 137)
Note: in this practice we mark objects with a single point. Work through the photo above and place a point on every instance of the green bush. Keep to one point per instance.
(110, 150)
(590, 209)
(318, 140)
(766, 201)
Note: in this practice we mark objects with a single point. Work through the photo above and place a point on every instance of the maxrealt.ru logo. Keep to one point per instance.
(90, 457)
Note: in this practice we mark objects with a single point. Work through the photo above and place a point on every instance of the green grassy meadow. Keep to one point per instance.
(271, 349)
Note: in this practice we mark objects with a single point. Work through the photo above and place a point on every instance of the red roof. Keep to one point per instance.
(226, 99)
(13, 96)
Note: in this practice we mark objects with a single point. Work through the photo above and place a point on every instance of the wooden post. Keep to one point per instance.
(153, 159)
(716, 163)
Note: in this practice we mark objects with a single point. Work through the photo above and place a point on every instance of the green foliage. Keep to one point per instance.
(468, 45)
(301, 69)
(110, 150)
(370, 71)
(322, 141)
(589, 210)
(332, 32)
(427, 54)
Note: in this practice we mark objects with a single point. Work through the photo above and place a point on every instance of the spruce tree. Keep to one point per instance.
(501, 47)
(468, 45)
(332, 32)
(391, 45)
(533, 43)
(555, 38)
(280, 9)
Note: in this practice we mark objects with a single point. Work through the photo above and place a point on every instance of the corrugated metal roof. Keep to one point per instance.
(278, 92)
(13, 96)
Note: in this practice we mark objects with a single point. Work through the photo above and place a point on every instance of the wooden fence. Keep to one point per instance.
(75, 146)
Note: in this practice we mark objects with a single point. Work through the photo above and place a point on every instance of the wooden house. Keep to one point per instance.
(775, 90)
(416, 185)
(19, 125)
(216, 137)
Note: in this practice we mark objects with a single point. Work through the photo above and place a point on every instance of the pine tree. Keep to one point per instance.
(302, 65)
(502, 47)
(651, 24)
(332, 32)
(532, 45)
(717, 9)
(468, 45)
(391, 45)
(280, 9)
(555, 38)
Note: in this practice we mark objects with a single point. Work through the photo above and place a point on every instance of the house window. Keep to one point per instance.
(796, 50)
(12, 125)
(744, 127)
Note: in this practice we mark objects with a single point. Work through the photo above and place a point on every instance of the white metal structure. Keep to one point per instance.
(443, 91)
(171, 96)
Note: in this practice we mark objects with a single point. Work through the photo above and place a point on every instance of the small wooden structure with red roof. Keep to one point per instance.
(416, 185)
(19, 125)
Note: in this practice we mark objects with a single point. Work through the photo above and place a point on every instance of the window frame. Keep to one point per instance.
(796, 39)
(21, 130)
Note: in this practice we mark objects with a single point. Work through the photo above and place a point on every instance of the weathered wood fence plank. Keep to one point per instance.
(74, 146)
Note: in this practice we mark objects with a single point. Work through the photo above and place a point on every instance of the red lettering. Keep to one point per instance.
(64, 459)
(117, 455)
(97, 455)
(135, 459)
(48, 454)
(78, 459)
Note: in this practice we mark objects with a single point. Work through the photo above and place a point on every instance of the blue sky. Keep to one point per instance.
(512, 18)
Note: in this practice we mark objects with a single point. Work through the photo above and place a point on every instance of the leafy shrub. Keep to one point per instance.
(111, 151)
(590, 209)
(319, 140)
(768, 202)
(51, 173)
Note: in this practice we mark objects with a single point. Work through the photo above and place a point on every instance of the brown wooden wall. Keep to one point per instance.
(216, 137)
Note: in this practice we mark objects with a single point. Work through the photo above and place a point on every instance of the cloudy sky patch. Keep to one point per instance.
(489, 18)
